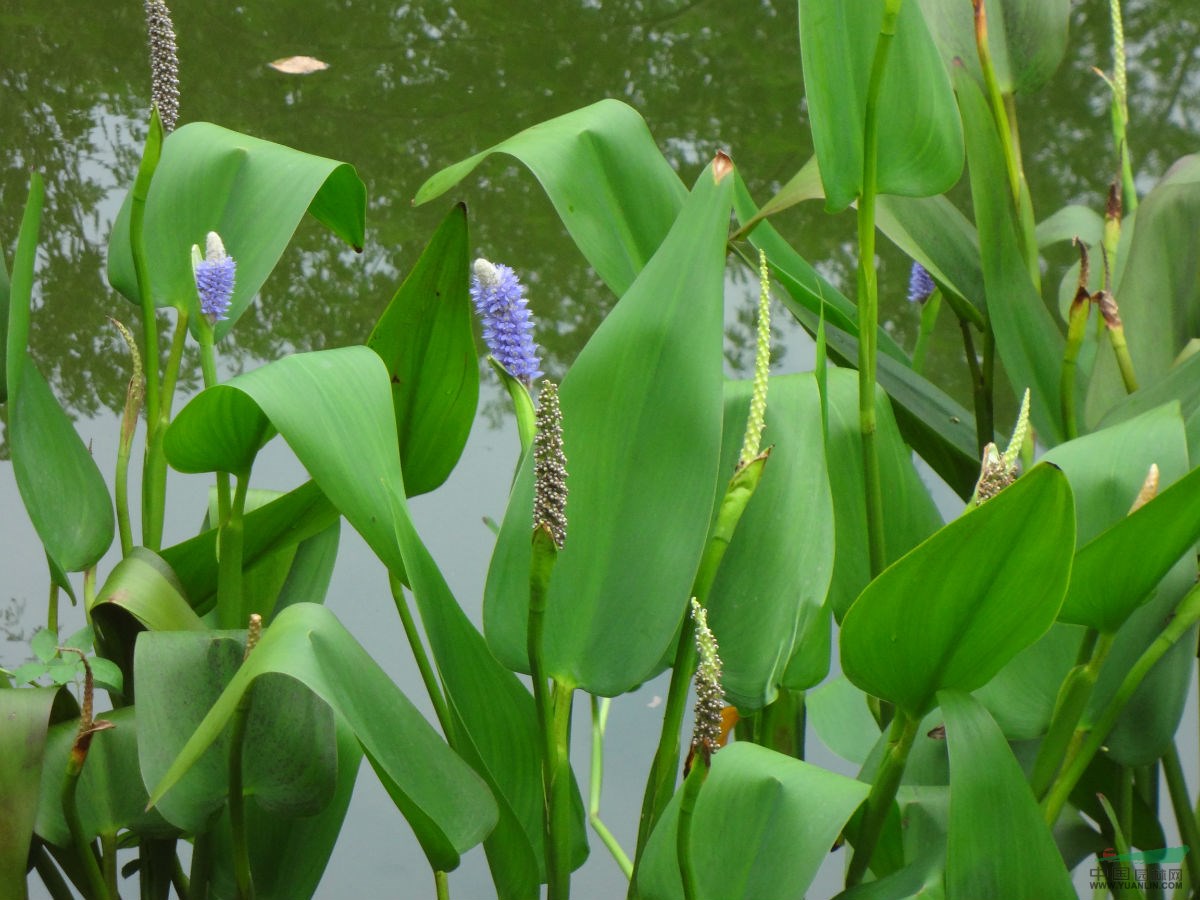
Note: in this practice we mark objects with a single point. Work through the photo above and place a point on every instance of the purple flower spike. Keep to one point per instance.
(507, 324)
(920, 285)
(214, 273)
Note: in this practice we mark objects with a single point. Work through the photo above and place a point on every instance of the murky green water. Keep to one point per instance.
(411, 88)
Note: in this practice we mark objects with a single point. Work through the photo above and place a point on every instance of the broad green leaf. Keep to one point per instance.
(110, 793)
(1022, 696)
(144, 587)
(642, 413)
(334, 408)
(228, 431)
(1068, 223)
(812, 651)
(1157, 290)
(614, 191)
(289, 855)
(289, 758)
(839, 715)
(1027, 338)
(292, 520)
(26, 714)
(920, 150)
(952, 612)
(1116, 572)
(64, 493)
(425, 338)
(1027, 39)
(252, 192)
(990, 803)
(909, 513)
(762, 826)
(776, 570)
(496, 728)
(43, 644)
(1106, 469)
(940, 429)
(449, 808)
(1181, 383)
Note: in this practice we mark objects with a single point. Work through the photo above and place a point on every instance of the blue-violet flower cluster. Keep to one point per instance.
(214, 271)
(920, 284)
(507, 323)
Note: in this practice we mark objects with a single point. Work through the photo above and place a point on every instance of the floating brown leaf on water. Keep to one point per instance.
(298, 65)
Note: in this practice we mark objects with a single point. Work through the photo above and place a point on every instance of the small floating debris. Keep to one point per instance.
(298, 65)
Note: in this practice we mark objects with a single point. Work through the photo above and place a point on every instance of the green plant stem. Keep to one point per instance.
(137, 243)
(1181, 802)
(983, 429)
(985, 412)
(432, 687)
(660, 784)
(179, 880)
(543, 555)
(174, 360)
(201, 870)
(600, 708)
(108, 859)
(883, 794)
(929, 316)
(52, 608)
(683, 834)
(1073, 699)
(231, 610)
(562, 697)
(1091, 736)
(868, 294)
(158, 417)
(441, 883)
(208, 368)
(157, 860)
(56, 885)
(237, 800)
(96, 885)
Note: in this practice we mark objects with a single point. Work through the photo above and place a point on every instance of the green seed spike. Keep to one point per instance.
(710, 696)
(762, 367)
(1020, 432)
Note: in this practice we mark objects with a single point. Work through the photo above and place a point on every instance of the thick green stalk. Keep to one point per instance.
(868, 294)
(432, 687)
(560, 792)
(1120, 106)
(108, 861)
(237, 801)
(1073, 699)
(441, 882)
(929, 315)
(600, 707)
(230, 540)
(544, 555)
(660, 784)
(135, 393)
(683, 834)
(883, 794)
(979, 389)
(208, 368)
(1181, 802)
(97, 887)
(158, 417)
(1090, 737)
(201, 871)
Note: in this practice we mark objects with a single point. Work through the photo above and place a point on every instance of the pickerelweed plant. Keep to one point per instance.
(1008, 685)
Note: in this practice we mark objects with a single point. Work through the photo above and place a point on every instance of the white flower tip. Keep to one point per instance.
(213, 248)
(486, 273)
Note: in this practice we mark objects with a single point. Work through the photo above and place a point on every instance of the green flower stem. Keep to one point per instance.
(1181, 802)
(201, 870)
(883, 793)
(661, 783)
(441, 882)
(174, 358)
(137, 242)
(230, 540)
(600, 707)
(158, 417)
(179, 880)
(929, 317)
(1124, 360)
(432, 687)
(96, 885)
(560, 792)
(782, 723)
(683, 835)
(208, 368)
(135, 394)
(1120, 106)
(1073, 699)
(1090, 736)
(522, 405)
(979, 389)
(868, 293)
(108, 861)
(237, 800)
